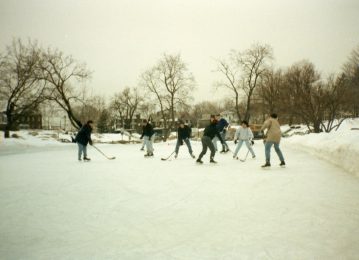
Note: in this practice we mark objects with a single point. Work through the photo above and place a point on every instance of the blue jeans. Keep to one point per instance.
(82, 149)
(268, 146)
(187, 142)
(239, 144)
(148, 143)
(215, 139)
(223, 135)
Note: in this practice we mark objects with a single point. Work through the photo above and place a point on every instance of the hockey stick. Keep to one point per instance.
(245, 158)
(251, 144)
(165, 159)
(110, 158)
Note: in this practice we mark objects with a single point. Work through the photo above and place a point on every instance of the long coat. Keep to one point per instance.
(273, 133)
(84, 135)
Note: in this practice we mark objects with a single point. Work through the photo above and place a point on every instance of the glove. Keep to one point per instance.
(235, 141)
(141, 137)
(252, 142)
(90, 142)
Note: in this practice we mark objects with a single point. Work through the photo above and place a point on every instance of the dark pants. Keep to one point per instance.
(207, 143)
(187, 142)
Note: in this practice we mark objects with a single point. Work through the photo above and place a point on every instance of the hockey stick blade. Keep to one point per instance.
(110, 158)
(165, 159)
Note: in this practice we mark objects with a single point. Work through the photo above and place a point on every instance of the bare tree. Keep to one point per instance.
(351, 74)
(171, 83)
(147, 108)
(270, 90)
(243, 72)
(20, 85)
(335, 98)
(254, 63)
(91, 108)
(204, 108)
(150, 80)
(306, 93)
(132, 99)
(233, 80)
(60, 72)
(126, 104)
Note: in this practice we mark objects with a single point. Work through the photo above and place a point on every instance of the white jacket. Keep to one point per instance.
(243, 133)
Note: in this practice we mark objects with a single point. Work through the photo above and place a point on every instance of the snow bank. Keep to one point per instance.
(339, 147)
(32, 138)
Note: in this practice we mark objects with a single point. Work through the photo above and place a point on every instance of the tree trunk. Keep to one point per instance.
(248, 114)
(9, 124)
(316, 126)
(237, 108)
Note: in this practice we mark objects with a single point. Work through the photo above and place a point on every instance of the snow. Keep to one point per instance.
(54, 207)
(338, 147)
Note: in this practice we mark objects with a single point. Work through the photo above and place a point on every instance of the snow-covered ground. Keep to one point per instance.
(54, 207)
(339, 147)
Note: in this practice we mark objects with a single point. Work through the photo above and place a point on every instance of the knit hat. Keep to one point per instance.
(244, 122)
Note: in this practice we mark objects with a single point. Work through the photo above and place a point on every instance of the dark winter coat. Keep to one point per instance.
(211, 131)
(222, 123)
(84, 135)
(147, 130)
(183, 133)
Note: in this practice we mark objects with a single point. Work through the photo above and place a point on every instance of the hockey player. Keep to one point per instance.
(273, 138)
(243, 135)
(82, 138)
(222, 126)
(183, 135)
(209, 133)
(147, 133)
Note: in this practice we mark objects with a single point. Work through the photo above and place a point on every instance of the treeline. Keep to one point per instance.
(32, 77)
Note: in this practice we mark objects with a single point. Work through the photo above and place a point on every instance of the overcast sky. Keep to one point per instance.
(120, 39)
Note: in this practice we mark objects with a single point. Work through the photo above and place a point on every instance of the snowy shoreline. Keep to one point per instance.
(340, 147)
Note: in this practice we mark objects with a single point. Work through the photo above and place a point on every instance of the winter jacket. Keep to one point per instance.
(183, 133)
(211, 131)
(243, 133)
(273, 133)
(84, 135)
(222, 123)
(147, 130)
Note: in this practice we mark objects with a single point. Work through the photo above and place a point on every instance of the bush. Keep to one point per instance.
(33, 133)
(15, 136)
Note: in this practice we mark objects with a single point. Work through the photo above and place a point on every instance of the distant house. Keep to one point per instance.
(230, 116)
(31, 121)
(54, 118)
